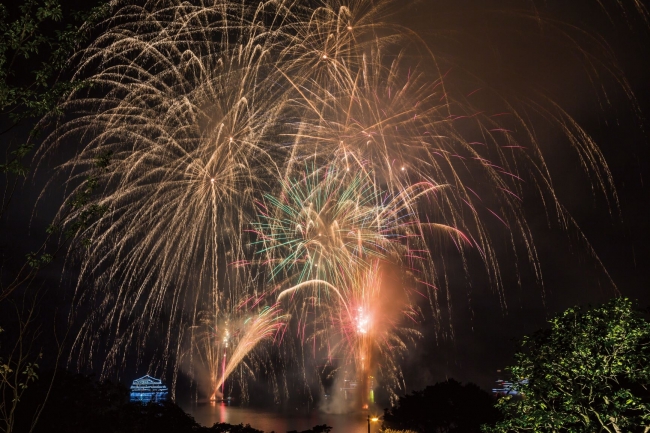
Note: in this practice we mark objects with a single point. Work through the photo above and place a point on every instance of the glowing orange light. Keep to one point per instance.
(362, 322)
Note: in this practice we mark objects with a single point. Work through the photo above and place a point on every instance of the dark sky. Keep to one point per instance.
(522, 53)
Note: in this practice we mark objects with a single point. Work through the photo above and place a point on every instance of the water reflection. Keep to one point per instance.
(278, 421)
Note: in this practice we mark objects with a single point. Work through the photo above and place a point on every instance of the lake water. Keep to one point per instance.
(280, 422)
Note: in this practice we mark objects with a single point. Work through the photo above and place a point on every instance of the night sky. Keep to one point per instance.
(523, 53)
(518, 51)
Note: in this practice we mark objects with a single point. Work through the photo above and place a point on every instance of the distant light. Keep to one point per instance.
(374, 419)
(325, 56)
(212, 180)
(231, 139)
(403, 168)
(349, 27)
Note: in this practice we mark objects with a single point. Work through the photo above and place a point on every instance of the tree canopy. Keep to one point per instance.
(588, 373)
(446, 407)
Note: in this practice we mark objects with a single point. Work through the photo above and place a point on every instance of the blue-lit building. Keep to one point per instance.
(148, 389)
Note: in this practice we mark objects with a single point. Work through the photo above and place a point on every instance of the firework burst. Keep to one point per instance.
(184, 123)
(222, 343)
(324, 239)
(330, 134)
(368, 330)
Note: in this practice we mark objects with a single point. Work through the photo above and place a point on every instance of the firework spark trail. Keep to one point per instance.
(329, 233)
(255, 329)
(326, 221)
(184, 127)
(225, 341)
(330, 224)
(365, 326)
(392, 123)
(206, 109)
(210, 341)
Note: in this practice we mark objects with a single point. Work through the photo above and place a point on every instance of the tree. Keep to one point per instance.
(316, 429)
(37, 40)
(75, 403)
(222, 427)
(588, 373)
(446, 407)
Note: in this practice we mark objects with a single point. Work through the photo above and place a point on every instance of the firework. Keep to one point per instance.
(330, 223)
(184, 122)
(324, 226)
(368, 330)
(265, 324)
(211, 341)
(284, 153)
(222, 342)
(325, 238)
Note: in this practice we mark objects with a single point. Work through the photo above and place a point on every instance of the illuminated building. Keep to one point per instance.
(148, 389)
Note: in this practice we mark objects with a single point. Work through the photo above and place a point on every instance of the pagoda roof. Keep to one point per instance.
(147, 380)
(148, 383)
